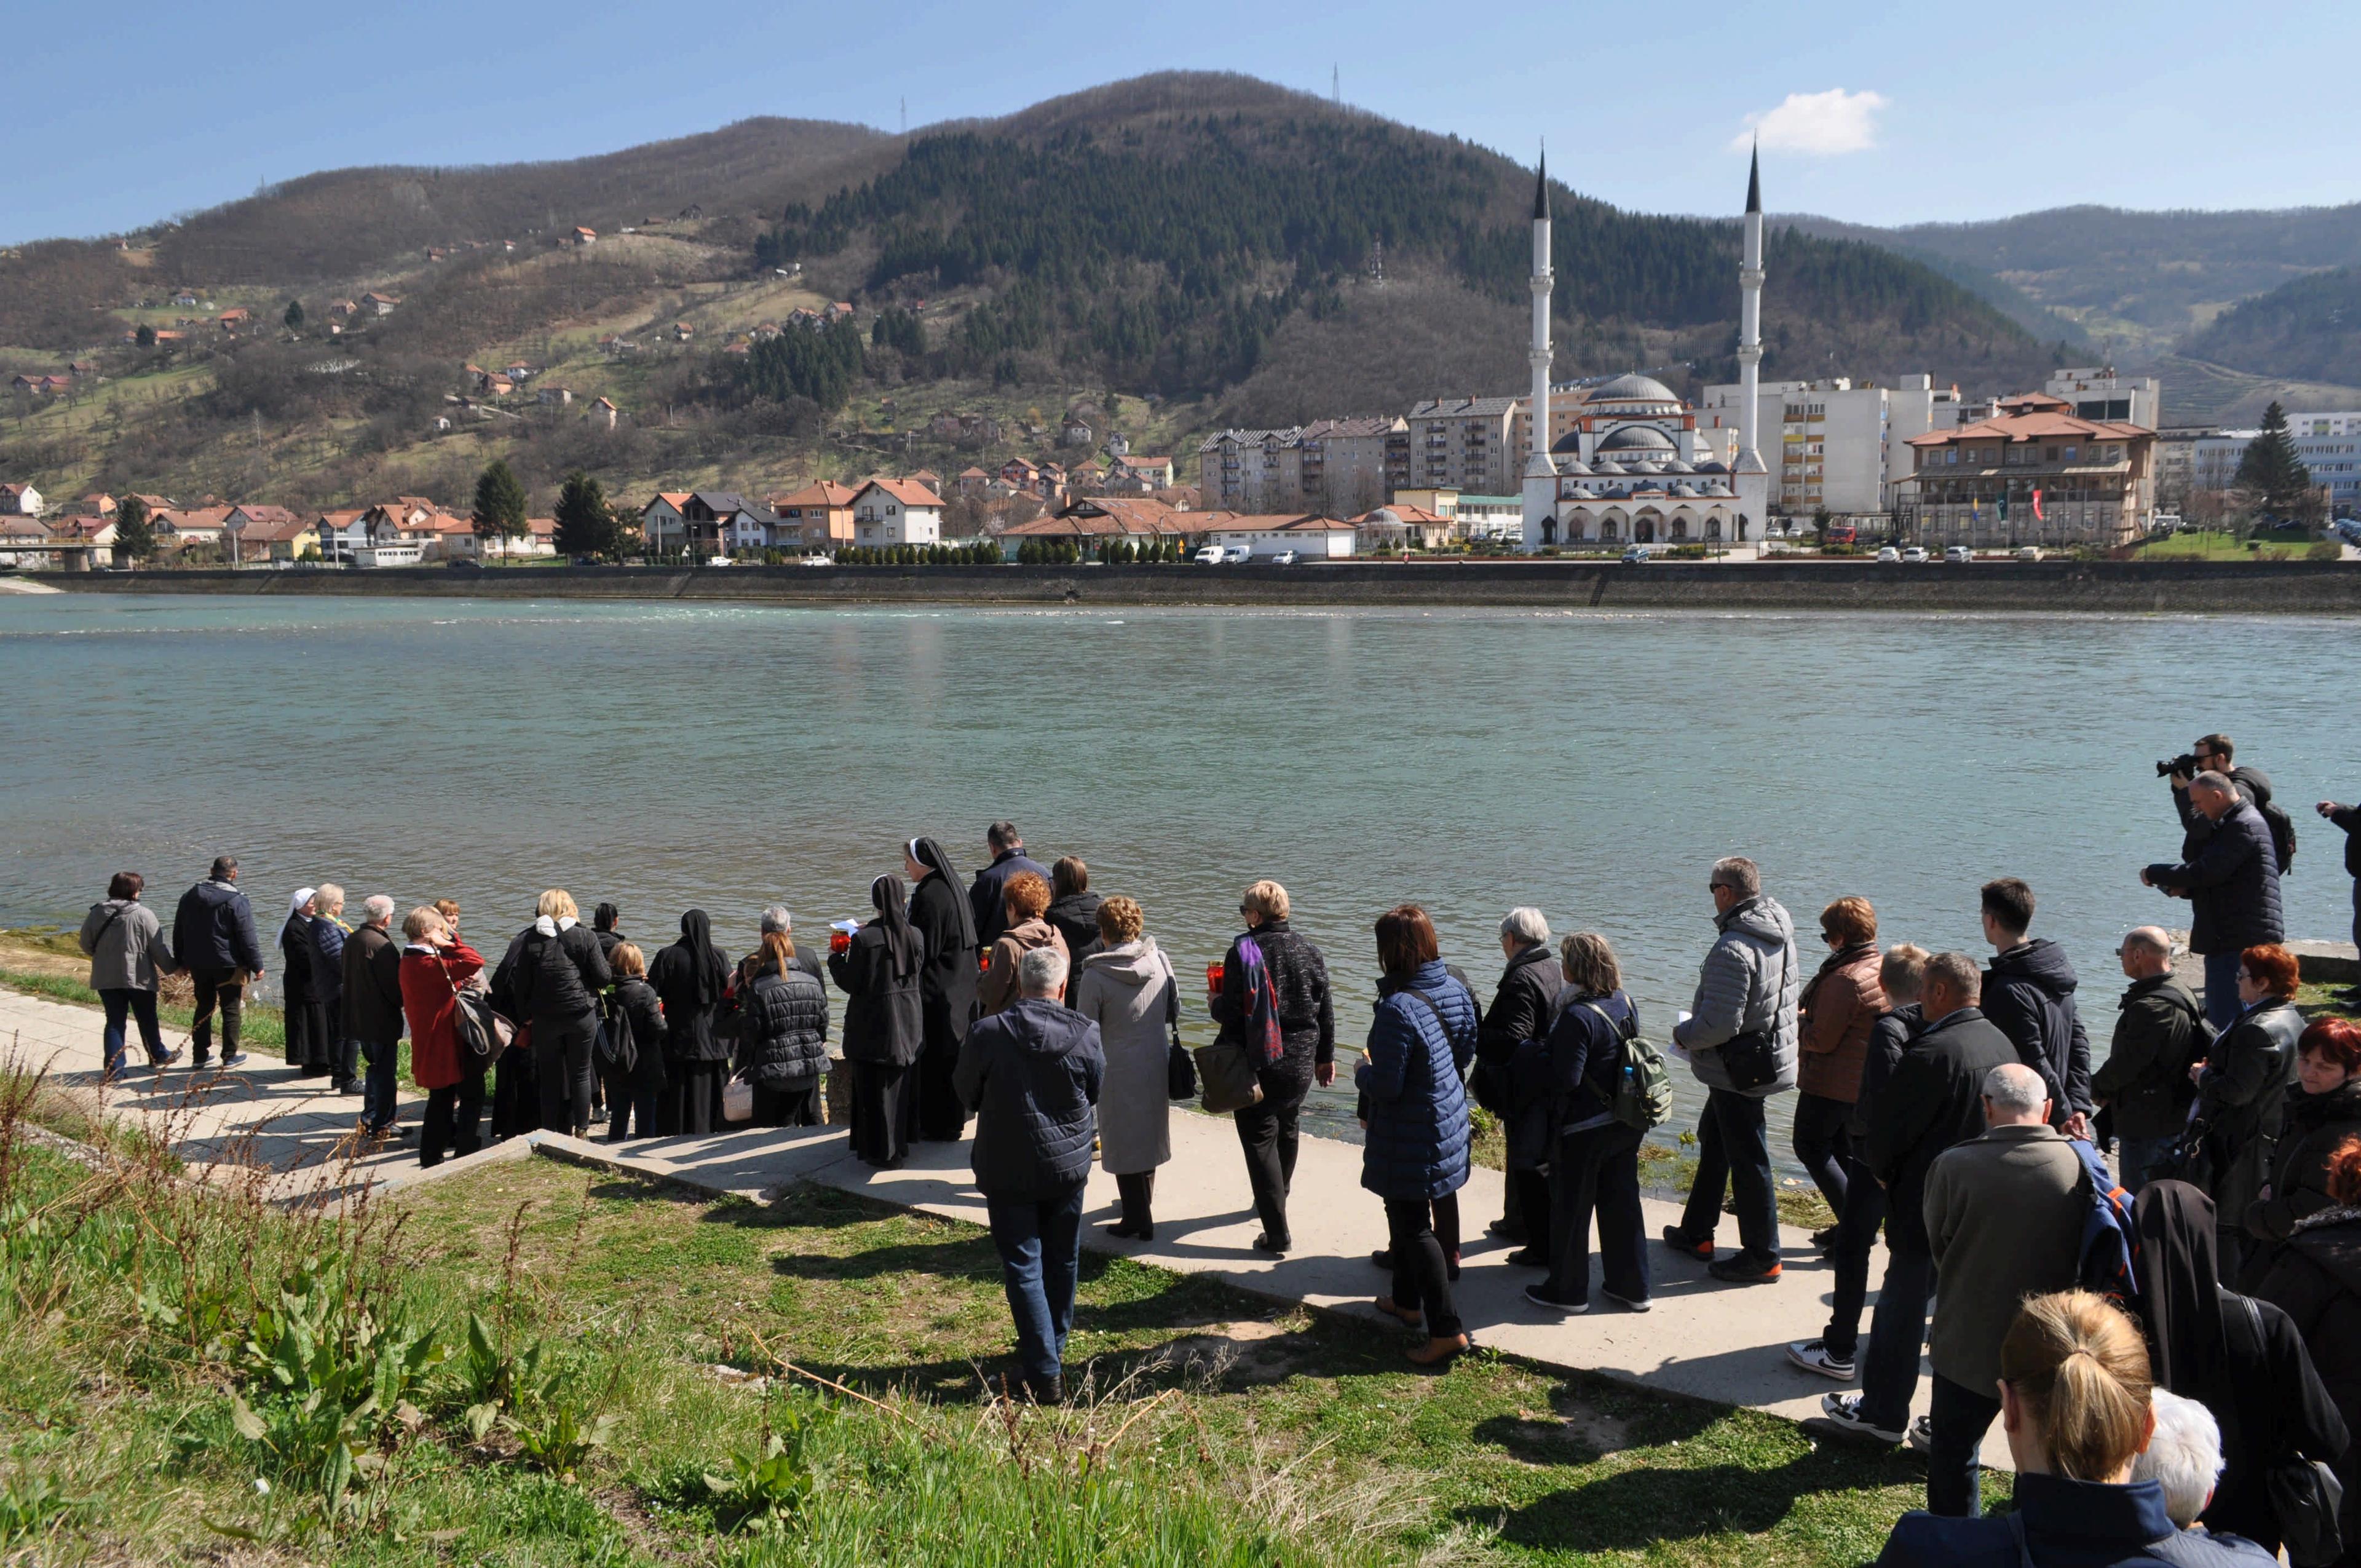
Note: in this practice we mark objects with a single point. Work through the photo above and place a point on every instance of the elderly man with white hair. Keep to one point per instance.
(372, 1010)
(2232, 882)
(1524, 1007)
(2004, 1215)
(1031, 1073)
(2183, 1455)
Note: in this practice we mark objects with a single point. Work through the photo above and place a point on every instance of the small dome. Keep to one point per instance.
(1385, 516)
(1607, 466)
(1711, 466)
(1574, 466)
(1582, 493)
(1635, 388)
(1570, 442)
(1677, 465)
(1685, 489)
(1636, 438)
(1645, 466)
(1717, 488)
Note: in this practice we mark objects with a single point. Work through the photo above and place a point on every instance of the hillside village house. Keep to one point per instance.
(896, 511)
(971, 481)
(1309, 535)
(1094, 521)
(93, 535)
(288, 537)
(748, 528)
(21, 500)
(240, 521)
(178, 530)
(2036, 473)
(689, 521)
(380, 304)
(818, 517)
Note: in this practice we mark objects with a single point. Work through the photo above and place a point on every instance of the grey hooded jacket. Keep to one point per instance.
(126, 945)
(1749, 980)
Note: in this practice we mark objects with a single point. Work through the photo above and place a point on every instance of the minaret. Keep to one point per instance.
(1537, 425)
(1540, 482)
(1750, 325)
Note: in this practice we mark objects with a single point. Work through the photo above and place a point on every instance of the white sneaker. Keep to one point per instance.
(1813, 1355)
(1922, 1435)
(1841, 1417)
(1642, 1305)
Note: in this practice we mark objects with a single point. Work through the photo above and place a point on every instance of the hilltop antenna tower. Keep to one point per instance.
(905, 116)
(1378, 262)
(1336, 85)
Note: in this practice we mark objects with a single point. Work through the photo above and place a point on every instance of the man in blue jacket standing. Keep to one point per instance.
(1031, 1074)
(213, 935)
(2232, 882)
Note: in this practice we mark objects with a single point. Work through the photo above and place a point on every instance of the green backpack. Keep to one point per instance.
(1643, 1090)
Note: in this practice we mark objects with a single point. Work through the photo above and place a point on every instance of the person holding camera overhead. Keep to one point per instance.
(2210, 754)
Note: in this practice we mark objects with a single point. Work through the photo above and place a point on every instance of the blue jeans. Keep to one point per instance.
(131, 1002)
(384, 1061)
(1734, 1152)
(1959, 1419)
(2136, 1159)
(1040, 1250)
(2221, 1003)
(1889, 1373)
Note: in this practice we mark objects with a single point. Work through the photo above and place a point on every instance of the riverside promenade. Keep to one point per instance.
(1705, 1340)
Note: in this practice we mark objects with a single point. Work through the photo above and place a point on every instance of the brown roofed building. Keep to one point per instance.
(818, 517)
(2036, 473)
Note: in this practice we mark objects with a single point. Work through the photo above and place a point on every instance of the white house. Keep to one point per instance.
(371, 556)
(747, 528)
(897, 511)
(21, 500)
(1268, 533)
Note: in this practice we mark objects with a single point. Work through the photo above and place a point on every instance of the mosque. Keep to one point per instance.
(1633, 468)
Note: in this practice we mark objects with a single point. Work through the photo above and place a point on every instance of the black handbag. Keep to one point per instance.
(1180, 1067)
(617, 1050)
(2193, 1158)
(1752, 1060)
(2305, 1493)
(481, 1032)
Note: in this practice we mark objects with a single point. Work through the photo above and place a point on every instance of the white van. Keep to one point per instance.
(1211, 556)
(1236, 555)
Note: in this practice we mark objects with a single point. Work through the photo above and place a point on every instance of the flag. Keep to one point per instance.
(2037, 508)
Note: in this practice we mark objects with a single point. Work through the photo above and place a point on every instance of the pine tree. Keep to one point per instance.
(586, 523)
(500, 503)
(2270, 466)
(135, 536)
(294, 316)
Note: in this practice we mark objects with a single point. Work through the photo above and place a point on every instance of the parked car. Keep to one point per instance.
(1959, 555)
(2029, 553)
(1638, 556)
(465, 566)
(1284, 558)
(1889, 553)
(1211, 556)
(1915, 555)
(1236, 555)
(717, 560)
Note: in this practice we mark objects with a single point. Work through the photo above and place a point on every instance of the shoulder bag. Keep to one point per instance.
(481, 1032)
(2305, 1493)
(1180, 1067)
(738, 1099)
(1752, 1060)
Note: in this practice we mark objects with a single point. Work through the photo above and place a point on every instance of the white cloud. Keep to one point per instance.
(1831, 122)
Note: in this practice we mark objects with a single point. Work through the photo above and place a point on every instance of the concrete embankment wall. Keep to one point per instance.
(2302, 588)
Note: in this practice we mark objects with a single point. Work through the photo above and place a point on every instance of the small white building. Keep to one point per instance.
(21, 500)
(1268, 533)
(748, 528)
(897, 511)
(1488, 516)
(370, 557)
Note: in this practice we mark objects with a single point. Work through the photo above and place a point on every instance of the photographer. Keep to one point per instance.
(2210, 754)
(2348, 818)
(2232, 882)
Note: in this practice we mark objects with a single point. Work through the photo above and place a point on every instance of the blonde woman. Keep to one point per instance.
(552, 978)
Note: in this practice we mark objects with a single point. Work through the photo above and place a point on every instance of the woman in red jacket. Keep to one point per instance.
(435, 966)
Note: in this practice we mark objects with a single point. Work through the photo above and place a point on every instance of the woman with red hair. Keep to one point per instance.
(2324, 1109)
(2242, 1088)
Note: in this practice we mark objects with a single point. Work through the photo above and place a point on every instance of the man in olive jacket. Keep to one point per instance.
(2144, 1080)
(2004, 1215)
(372, 1009)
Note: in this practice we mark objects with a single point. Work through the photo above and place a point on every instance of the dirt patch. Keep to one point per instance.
(1251, 1350)
(1592, 1427)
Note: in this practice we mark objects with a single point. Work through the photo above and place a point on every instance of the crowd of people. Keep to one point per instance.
(1950, 1104)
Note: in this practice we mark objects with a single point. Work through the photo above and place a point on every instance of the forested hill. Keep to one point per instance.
(1164, 252)
(2309, 329)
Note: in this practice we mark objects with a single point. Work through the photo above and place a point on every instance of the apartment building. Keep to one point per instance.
(1466, 443)
(2097, 393)
(1348, 466)
(1251, 470)
(2330, 445)
(1840, 448)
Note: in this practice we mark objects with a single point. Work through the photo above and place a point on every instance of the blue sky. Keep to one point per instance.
(133, 110)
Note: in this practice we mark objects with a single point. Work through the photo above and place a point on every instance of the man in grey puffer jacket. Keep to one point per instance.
(1747, 992)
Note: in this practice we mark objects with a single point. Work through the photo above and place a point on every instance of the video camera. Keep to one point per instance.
(2184, 765)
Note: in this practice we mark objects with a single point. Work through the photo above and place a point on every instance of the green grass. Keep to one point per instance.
(2213, 544)
(261, 1027)
(1214, 1427)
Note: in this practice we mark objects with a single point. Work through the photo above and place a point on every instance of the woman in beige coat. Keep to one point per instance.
(1128, 990)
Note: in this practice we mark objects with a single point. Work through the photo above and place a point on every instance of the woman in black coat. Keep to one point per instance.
(884, 1029)
(777, 1008)
(2324, 1109)
(1594, 1165)
(307, 1038)
(944, 918)
(552, 977)
(690, 976)
(2241, 1359)
(2315, 1280)
(634, 1016)
(2241, 1092)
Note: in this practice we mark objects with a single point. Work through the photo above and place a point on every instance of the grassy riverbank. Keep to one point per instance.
(626, 1382)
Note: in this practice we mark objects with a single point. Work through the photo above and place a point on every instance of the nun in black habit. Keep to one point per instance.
(883, 1024)
(941, 912)
(689, 977)
(2240, 1358)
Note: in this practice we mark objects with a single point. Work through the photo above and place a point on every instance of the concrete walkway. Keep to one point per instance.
(1704, 1340)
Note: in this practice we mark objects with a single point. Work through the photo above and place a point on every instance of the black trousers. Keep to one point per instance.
(1823, 1147)
(804, 1107)
(561, 1062)
(1596, 1171)
(941, 1117)
(881, 1119)
(453, 1113)
(1138, 1190)
(1857, 1223)
(1529, 1196)
(1734, 1155)
(693, 1097)
(225, 989)
(1266, 1132)
(633, 1097)
(516, 1094)
(1419, 1276)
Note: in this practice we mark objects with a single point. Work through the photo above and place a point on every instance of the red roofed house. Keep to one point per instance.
(2036, 473)
(240, 523)
(19, 500)
(897, 511)
(585, 235)
(1098, 519)
(971, 481)
(818, 517)
(234, 317)
(1144, 473)
(176, 530)
(380, 304)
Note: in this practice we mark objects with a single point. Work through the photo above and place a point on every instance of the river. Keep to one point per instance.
(1594, 764)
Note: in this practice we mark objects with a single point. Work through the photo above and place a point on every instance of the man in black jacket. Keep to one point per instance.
(2348, 817)
(1933, 1099)
(987, 896)
(2213, 754)
(1031, 1073)
(372, 1010)
(1522, 1008)
(2232, 887)
(2144, 1080)
(212, 937)
(2029, 996)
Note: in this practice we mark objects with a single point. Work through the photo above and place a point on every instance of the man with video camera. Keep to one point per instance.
(2232, 881)
(2210, 754)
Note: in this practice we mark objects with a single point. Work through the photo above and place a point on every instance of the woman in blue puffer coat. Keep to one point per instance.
(1418, 1135)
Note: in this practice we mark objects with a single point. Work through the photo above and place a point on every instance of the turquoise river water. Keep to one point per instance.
(727, 756)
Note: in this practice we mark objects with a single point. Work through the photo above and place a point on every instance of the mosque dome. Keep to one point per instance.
(1636, 438)
(1638, 389)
